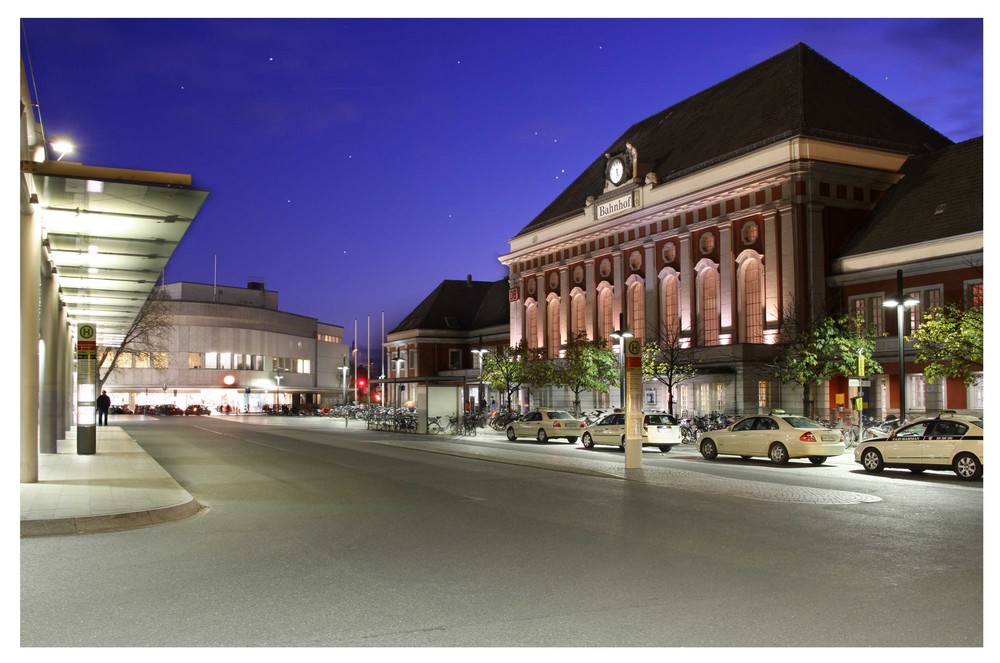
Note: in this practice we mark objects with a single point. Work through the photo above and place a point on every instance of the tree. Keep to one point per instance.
(824, 349)
(586, 365)
(950, 343)
(537, 372)
(503, 369)
(150, 334)
(667, 360)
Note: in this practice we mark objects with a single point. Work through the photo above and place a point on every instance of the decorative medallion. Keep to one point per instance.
(578, 275)
(553, 281)
(635, 261)
(750, 232)
(669, 252)
(606, 268)
(531, 286)
(707, 243)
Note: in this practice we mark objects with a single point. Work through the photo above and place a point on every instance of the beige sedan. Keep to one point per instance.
(778, 436)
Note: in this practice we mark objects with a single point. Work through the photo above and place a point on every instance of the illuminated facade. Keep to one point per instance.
(232, 346)
(713, 224)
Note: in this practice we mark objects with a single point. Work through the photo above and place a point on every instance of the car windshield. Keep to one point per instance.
(559, 414)
(661, 420)
(802, 422)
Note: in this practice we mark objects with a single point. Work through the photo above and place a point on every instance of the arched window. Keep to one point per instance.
(531, 323)
(605, 325)
(555, 332)
(579, 314)
(670, 291)
(753, 301)
(637, 309)
(708, 309)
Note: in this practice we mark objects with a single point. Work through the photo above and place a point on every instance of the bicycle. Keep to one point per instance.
(434, 425)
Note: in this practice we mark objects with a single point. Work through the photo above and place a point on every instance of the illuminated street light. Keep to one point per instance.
(62, 147)
(619, 335)
(902, 302)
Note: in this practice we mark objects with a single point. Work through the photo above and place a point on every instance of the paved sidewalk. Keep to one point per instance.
(119, 487)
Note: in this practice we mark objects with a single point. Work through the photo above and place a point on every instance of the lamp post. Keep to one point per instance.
(480, 353)
(343, 379)
(619, 336)
(277, 393)
(902, 302)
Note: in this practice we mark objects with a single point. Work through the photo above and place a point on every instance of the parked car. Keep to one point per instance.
(543, 424)
(197, 410)
(168, 409)
(659, 429)
(776, 435)
(948, 441)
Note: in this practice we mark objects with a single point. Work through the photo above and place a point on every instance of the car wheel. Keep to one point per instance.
(588, 442)
(708, 449)
(622, 444)
(817, 460)
(778, 453)
(511, 435)
(968, 467)
(872, 461)
(665, 448)
(542, 437)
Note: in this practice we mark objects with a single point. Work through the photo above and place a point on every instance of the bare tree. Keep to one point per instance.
(667, 359)
(149, 333)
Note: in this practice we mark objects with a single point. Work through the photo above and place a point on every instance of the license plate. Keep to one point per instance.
(828, 438)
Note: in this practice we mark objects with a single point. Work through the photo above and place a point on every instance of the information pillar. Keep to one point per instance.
(86, 389)
(633, 403)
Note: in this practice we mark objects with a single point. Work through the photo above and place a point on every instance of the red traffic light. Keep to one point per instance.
(361, 383)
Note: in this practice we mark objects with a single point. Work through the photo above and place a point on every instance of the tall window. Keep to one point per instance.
(709, 318)
(753, 303)
(915, 385)
(637, 309)
(532, 325)
(928, 299)
(555, 334)
(973, 294)
(870, 309)
(579, 314)
(763, 400)
(606, 326)
(671, 309)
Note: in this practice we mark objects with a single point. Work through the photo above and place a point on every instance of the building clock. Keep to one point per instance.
(616, 170)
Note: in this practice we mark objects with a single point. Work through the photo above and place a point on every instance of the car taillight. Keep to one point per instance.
(807, 437)
(556, 424)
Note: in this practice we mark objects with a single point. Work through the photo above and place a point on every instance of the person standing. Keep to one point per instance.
(103, 405)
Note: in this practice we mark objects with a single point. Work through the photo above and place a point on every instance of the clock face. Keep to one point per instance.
(616, 171)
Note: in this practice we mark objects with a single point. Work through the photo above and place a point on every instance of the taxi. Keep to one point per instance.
(949, 441)
(777, 435)
(544, 423)
(659, 429)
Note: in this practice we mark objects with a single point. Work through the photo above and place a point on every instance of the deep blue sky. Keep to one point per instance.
(355, 164)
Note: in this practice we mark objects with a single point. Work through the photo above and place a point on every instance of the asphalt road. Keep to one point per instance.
(314, 536)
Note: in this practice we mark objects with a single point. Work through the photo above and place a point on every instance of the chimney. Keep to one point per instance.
(468, 280)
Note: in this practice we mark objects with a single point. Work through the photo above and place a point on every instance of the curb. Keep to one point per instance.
(109, 523)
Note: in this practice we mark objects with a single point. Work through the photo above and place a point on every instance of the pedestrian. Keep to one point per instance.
(103, 405)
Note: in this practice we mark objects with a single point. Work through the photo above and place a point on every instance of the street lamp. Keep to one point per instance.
(277, 394)
(901, 301)
(343, 381)
(619, 335)
(480, 352)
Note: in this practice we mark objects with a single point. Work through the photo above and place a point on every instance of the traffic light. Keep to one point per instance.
(361, 383)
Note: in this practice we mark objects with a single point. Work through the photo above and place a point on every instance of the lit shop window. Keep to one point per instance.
(194, 360)
(212, 360)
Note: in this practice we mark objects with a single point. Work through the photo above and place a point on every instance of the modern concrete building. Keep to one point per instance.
(774, 195)
(232, 348)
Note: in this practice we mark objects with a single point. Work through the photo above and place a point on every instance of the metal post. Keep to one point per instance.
(899, 338)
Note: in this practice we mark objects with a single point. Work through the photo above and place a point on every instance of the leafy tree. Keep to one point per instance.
(824, 349)
(503, 369)
(537, 372)
(950, 342)
(667, 360)
(587, 365)
(149, 333)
